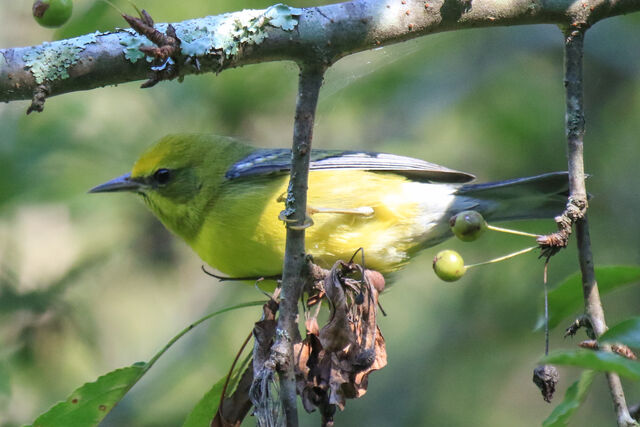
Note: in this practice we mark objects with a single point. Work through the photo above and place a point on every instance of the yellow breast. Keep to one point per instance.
(245, 238)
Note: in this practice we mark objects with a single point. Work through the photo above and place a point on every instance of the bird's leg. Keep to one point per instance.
(362, 210)
(308, 221)
(311, 210)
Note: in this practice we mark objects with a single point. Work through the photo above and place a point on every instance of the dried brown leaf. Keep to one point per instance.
(235, 407)
(263, 332)
(334, 364)
(336, 334)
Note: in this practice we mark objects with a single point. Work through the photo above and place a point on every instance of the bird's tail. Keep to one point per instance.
(541, 196)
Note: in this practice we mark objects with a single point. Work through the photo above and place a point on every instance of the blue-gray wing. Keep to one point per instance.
(268, 161)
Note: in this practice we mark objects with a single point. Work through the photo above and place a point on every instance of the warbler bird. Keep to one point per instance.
(224, 198)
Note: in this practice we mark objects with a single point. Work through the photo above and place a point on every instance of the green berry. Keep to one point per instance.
(52, 13)
(468, 225)
(449, 265)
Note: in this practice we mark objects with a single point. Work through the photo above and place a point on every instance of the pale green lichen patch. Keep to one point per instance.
(51, 61)
(227, 33)
(283, 16)
(132, 43)
(222, 33)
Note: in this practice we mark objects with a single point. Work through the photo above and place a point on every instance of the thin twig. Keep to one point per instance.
(238, 279)
(503, 258)
(546, 308)
(233, 366)
(574, 126)
(295, 264)
(510, 231)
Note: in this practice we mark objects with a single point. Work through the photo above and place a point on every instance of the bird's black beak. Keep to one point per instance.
(121, 183)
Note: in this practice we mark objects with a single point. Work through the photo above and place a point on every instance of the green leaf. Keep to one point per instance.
(626, 332)
(89, 404)
(573, 398)
(238, 372)
(596, 360)
(566, 298)
(206, 408)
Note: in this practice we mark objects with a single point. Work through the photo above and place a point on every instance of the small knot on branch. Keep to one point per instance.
(279, 351)
(166, 50)
(40, 94)
(145, 27)
(582, 321)
(551, 244)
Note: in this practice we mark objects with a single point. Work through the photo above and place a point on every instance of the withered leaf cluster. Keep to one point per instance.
(333, 363)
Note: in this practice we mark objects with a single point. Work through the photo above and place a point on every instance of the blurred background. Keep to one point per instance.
(91, 283)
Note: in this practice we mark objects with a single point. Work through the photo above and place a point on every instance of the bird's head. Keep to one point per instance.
(177, 177)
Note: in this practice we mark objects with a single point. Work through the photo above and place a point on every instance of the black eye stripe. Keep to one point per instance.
(162, 176)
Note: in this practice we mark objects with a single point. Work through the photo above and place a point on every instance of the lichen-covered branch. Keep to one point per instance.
(574, 125)
(321, 34)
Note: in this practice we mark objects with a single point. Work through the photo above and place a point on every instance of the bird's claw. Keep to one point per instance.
(291, 223)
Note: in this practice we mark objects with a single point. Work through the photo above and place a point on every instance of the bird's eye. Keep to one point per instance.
(162, 176)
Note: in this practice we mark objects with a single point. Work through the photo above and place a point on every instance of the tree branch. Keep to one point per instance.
(574, 125)
(325, 33)
(295, 272)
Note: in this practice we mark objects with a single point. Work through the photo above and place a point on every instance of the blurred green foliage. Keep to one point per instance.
(596, 360)
(488, 101)
(626, 332)
(566, 298)
(573, 398)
